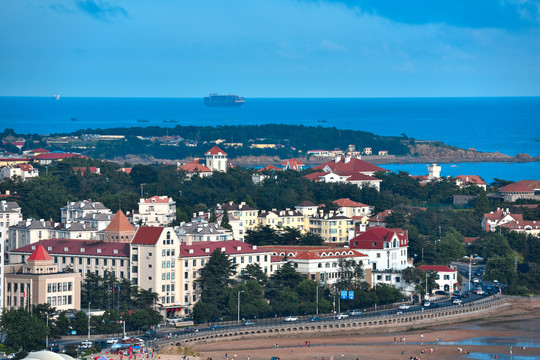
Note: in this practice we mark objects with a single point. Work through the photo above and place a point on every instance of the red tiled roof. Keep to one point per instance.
(25, 167)
(521, 225)
(438, 268)
(346, 202)
(59, 246)
(231, 248)
(40, 150)
(499, 214)
(119, 223)
(306, 203)
(215, 151)
(292, 164)
(315, 175)
(82, 170)
(194, 166)
(158, 199)
(313, 252)
(374, 238)
(380, 217)
(40, 254)
(126, 170)
(470, 240)
(354, 164)
(355, 176)
(147, 235)
(521, 186)
(471, 179)
(269, 167)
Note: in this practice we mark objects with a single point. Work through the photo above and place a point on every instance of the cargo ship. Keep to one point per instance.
(216, 100)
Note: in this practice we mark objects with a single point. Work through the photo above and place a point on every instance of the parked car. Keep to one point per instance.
(191, 329)
(112, 341)
(342, 316)
(457, 301)
(404, 306)
(441, 292)
(315, 318)
(86, 344)
(426, 303)
(248, 323)
(215, 327)
(355, 312)
(291, 318)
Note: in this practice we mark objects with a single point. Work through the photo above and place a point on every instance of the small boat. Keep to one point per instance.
(453, 165)
(170, 121)
(143, 121)
(56, 96)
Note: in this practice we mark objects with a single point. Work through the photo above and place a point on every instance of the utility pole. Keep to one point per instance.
(239, 292)
(470, 271)
(47, 338)
(317, 298)
(89, 303)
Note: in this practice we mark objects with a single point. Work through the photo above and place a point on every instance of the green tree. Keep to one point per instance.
(22, 330)
(450, 247)
(215, 278)
(350, 274)
(225, 220)
(255, 272)
(501, 268)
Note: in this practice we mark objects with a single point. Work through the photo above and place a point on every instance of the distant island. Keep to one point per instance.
(250, 145)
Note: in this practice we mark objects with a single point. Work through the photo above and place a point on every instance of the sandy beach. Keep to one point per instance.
(517, 327)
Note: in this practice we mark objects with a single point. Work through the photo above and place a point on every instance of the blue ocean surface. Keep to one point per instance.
(508, 125)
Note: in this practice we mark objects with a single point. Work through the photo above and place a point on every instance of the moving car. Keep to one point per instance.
(112, 341)
(86, 344)
(315, 318)
(248, 323)
(291, 318)
(215, 327)
(426, 303)
(342, 316)
(457, 301)
(355, 312)
(404, 306)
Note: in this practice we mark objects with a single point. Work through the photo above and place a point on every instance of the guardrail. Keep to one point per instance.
(356, 322)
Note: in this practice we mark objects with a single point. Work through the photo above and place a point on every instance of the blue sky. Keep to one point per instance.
(270, 48)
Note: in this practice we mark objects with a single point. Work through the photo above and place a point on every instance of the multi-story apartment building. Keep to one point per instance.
(321, 263)
(216, 159)
(332, 227)
(10, 214)
(155, 211)
(28, 232)
(38, 281)
(351, 208)
(202, 231)
(24, 171)
(193, 257)
(281, 219)
(81, 256)
(154, 253)
(243, 212)
(80, 209)
(75, 230)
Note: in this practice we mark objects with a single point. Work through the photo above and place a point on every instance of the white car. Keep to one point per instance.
(457, 301)
(112, 341)
(404, 306)
(342, 316)
(291, 318)
(86, 344)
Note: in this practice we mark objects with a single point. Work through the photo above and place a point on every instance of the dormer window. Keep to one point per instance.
(222, 249)
(83, 250)
(238, 248)
(33, 248)
(99, 251)
(190, 251)
(49, 248)
(207, 250)
(66, 249)
(115, 251)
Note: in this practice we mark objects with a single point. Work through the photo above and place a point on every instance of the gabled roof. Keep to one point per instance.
(375, 237)
(269, 167)
(471, 179)
(522, 225)
(380, 217)
(126, 170)
(500, 214)
(354, 164)
(40, 150)
(231, 206)
(40, 254)
(346, 202)
(292, 164)
(119, 223)
(312, 252)
(215, 151)
(438, 268)
(194, 166)
(147, 235)
(25, 167)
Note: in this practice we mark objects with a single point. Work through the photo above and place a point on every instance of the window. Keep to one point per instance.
(64, 286)
(88, 261)
(163, 252)
(163, 264)
(105, 262)
(186, 287)
(70, 286)
(162, 288)
(134, 257)
(80, 261)
(135, 269)
(194, 262)
(121, 262)
(186, 275)
(186, 263)
(49, 288)
(53, 287)
(97, 262)
(168, 276)
(69, 300)
(202, 262)
(163, 276)
(113, 262)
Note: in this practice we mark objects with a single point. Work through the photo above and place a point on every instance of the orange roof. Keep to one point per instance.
(471, 179)
(353, 164)
(215, 151)
(147, 235)
(346, 202)
(119, 223)
(158, 199)
(292, 164)
(194, 166)
(40, 254)
(269, 167)
(521, 186)
(126, 170)
(438, 268)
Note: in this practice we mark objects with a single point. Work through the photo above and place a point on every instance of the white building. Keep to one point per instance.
(320, 263)
(351, 208)
(28, 232)
(155, 211)
(216, 159)
(24, 171)
(189, 233)
(446, 278)
(80, 209)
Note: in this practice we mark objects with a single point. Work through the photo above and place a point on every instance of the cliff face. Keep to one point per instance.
(449, 154)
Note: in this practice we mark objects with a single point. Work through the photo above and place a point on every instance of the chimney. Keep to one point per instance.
(337, 158)
(347, 158)
(3, 205)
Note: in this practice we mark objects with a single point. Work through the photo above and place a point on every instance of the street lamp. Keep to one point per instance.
(89, 303)
(239, 292)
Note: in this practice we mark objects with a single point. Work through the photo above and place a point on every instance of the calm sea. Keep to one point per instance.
(507, 125)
